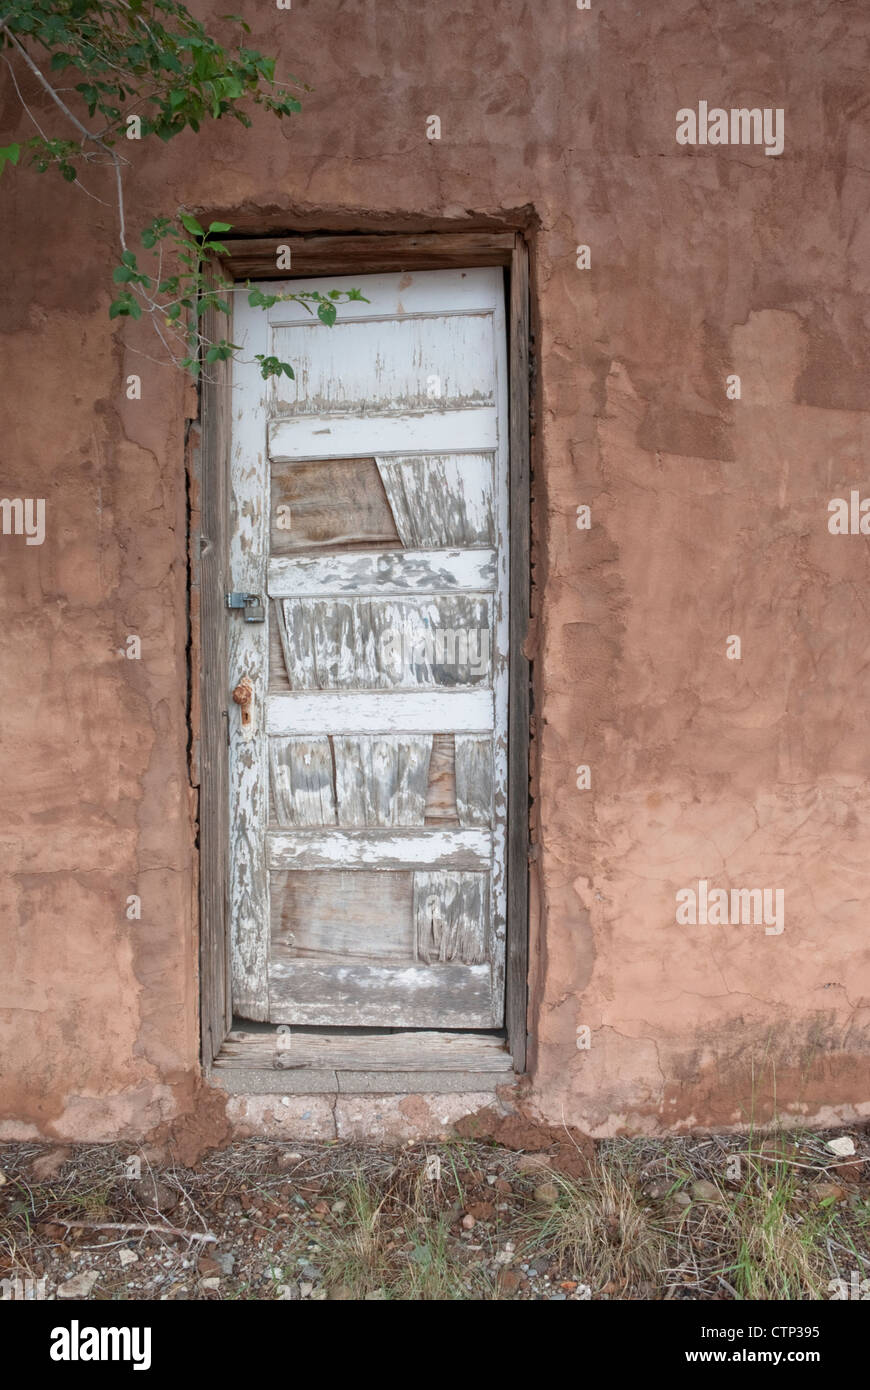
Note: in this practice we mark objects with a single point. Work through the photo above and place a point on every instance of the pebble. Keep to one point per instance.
(823, 1190)
(128, 1257)
(843, 1147)
(79, 1286)
(547, 1193)
(704, 1191)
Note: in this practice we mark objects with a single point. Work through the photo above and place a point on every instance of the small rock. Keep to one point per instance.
(829, 1191)
(341, 1294)
(850, 1172)
(482, 1211)
(128, 1257)
(79, 1286)
(503, 1257)
(305, 1289)
(843, 1146)
(213, 1283)
(338, 1207)
(376, 1296)
(225, 1261)
(287, 1160)
(287, 1293)
(682, 1199)
(547, 1194)
(704, 1191)
(47, 1165)
(468, 1222)
(160, 1196)
(528, 1162)
(656, 1190)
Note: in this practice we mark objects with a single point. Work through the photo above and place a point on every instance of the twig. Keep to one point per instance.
(71, 116)
(135, 1226)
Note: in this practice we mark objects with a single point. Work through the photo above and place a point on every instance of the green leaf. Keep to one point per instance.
(121, 274)
(327, 313)
(9, 155)
(220, 227)
(190, 224)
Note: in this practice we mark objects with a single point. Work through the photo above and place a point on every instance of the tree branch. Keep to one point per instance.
(71, 116)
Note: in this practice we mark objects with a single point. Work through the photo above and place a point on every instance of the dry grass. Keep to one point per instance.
(723, 1217)
(598, 1228)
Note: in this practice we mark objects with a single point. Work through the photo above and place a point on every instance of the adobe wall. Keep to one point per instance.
(709, 520)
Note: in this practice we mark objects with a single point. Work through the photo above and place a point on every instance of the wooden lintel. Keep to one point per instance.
(257, 258)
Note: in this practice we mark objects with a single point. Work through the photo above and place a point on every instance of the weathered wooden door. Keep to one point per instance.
(369, 517)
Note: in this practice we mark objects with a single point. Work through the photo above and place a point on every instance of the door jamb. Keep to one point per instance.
(256, 258)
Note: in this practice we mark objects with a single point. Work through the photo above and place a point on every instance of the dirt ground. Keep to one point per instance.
(489, 1215)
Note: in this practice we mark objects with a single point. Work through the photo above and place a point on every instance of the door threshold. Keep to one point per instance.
(257, 1058)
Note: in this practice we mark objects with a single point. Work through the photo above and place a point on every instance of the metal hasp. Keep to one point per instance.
(254, 610)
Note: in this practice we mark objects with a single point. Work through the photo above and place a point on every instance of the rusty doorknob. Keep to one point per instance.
(243, 696)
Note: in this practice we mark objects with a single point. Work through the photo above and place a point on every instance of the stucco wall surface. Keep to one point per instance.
(709, 520)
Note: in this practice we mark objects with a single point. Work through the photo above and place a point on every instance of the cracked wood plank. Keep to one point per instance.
(451, 916)
(387, 849)
(441, 499)
(383, 572)
(379, 712)
(335, 643)
(302, 781)
(381, 781)
(357, 993)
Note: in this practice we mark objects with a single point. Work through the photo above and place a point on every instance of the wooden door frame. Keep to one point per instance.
(256, 259)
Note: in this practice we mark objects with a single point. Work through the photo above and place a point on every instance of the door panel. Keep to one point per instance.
(368, 783)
